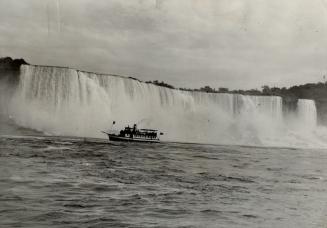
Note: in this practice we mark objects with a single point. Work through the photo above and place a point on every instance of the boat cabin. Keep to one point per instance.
(134, 132)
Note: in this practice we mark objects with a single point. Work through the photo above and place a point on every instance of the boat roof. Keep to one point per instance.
(148, 129)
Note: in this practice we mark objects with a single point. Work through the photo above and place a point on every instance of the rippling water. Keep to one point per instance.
(68, 182)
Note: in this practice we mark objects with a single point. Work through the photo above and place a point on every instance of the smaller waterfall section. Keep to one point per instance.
(307, 113)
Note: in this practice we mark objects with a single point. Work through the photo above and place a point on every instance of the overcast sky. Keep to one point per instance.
(187, 43)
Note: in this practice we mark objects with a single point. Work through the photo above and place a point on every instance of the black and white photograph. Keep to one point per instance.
(163, 113)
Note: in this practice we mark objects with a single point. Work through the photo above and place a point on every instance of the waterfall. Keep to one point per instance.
(63, 101)
(307, 113)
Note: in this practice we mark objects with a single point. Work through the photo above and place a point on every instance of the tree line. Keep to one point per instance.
(316, 91)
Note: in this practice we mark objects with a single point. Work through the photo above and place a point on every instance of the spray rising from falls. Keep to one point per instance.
(62, 101)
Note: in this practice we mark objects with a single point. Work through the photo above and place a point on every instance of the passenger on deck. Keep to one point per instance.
(134, 129)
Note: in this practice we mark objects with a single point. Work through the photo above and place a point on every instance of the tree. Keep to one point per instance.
(266, 90)
(223, 90)
(207, 89)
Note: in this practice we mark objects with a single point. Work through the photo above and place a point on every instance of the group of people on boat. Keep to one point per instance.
(135, 132)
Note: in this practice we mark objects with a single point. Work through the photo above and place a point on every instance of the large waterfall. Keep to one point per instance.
(63, 101)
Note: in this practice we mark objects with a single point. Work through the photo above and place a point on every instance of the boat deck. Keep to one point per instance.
(113, 137)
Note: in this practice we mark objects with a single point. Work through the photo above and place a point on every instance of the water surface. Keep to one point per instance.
(70, 182)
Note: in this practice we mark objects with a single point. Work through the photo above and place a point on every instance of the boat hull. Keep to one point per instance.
(113, 137)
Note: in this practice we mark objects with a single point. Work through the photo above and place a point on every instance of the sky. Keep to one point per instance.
(239, 44)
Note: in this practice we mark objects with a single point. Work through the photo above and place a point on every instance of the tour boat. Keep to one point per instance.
(133, 134)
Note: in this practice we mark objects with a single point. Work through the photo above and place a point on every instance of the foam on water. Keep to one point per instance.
(62, 101)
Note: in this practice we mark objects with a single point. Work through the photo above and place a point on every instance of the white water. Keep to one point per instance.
(62, 101)
(307, 113)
